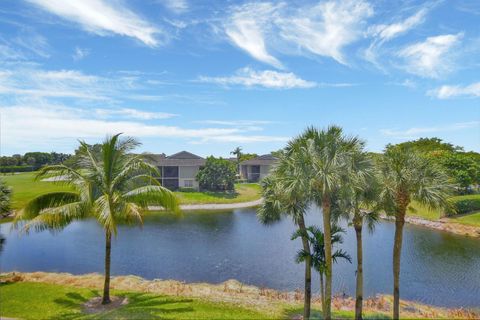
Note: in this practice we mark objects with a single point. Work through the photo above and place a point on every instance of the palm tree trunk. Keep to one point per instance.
(322, 292)
(328, 257)
(308, 269)
(397, 252)
(359, 286)
(106, 285)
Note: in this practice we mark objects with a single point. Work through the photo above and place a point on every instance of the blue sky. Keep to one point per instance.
(207, 77)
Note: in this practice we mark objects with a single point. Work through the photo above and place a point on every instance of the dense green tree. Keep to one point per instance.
(406, 175)
(217, 175)
(113, 187)
(247, 156)
(426, 145)
(5, 195)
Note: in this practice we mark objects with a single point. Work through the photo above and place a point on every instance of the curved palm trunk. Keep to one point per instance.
(106, 285)
(328, 257)
(397, 252)
(308, 269)
(359, 285)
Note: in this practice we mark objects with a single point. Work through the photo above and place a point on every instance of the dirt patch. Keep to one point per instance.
(95, 305)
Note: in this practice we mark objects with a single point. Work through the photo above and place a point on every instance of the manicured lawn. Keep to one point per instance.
(25, 188)
(28, 300)
(243, 193)
(472, 219)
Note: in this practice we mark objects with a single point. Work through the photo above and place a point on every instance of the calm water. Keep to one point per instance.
(437, 268)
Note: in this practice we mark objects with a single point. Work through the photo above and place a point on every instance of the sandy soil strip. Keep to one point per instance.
(215, 206)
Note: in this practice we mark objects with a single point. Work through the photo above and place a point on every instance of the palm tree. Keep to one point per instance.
(238, 153)
(327, 155)
(360, 192)
(285, 194)
(405, 176)
(316, 253)
(113, 187)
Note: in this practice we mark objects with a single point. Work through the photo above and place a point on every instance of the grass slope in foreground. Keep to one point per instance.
(28, 300)
(25, 188)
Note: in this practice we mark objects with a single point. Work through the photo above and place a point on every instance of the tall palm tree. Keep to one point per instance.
(238, 153)
(358, 203)
(316, 254)
(327, 155)
(113, 187)
(285, 194)
(405, 176)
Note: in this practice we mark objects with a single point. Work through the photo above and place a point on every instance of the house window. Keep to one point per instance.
(188, 183)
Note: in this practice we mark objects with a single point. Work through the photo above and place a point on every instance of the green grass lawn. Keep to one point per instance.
(28, 300)
(25, 188)
(243, 193)
(472, 219)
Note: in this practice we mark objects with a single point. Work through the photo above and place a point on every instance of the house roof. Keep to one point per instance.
(266, 159)
(182, 158)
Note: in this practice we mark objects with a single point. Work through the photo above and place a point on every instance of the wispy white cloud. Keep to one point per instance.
(50, 125)
(103, 17)
(268, 78)
(433, 57)
(33, 42)
(239, 123)
(447, 91)
(387, 32)
(323, 29)
(177, 6)
(80, 53)
(382, 33)
(133, 114)
(417, 132)
(247, 28)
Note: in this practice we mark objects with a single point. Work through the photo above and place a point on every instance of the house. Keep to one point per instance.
(257, 168)
(178, 170)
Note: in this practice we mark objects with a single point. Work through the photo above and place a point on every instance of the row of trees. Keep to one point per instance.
(334, 172)
(33, 159)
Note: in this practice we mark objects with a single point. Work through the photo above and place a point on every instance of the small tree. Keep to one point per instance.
(217, 175)
(238, 153)
(5, 194)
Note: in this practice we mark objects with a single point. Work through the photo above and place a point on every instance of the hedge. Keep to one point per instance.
(465, 204)
(9, 169)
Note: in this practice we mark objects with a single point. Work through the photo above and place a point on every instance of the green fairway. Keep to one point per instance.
(28, 300)
(25, 187)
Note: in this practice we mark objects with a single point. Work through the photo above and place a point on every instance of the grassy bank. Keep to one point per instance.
(471, 219)
(28, 300)
(25, 187)
(43, 295)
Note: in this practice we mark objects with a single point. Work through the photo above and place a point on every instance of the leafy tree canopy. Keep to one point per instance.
(218, 174)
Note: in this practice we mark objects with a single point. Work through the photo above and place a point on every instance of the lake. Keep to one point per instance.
(437, 268)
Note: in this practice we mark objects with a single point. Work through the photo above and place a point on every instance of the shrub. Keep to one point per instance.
(217, 175)
(465, 204)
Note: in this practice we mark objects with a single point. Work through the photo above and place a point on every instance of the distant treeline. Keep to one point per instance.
(30, 161)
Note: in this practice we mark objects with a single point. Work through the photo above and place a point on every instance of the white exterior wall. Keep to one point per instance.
(186, 173)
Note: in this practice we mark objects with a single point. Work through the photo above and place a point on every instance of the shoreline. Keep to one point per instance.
(442, 224)
(270, 301)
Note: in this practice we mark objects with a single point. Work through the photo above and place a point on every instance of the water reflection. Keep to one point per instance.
(437, 268)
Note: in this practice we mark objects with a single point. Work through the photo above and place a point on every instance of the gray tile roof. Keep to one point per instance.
(266, 159)
(183, 158)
